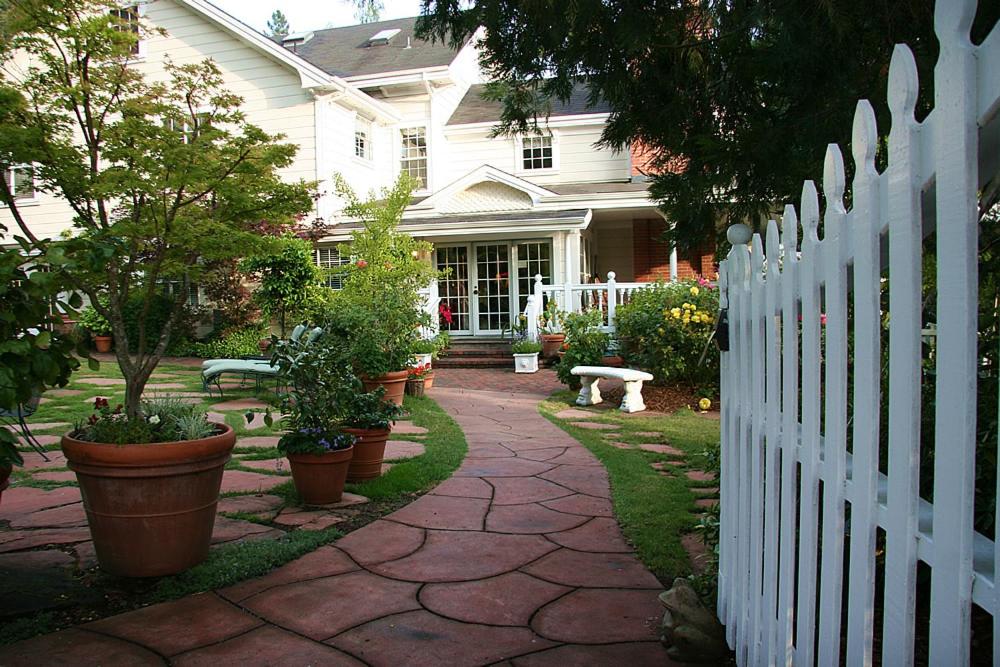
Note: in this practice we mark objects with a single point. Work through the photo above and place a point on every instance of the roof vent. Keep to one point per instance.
(383, 37)
(295, 40)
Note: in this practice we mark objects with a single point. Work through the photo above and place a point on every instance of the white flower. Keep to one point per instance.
(155, 419)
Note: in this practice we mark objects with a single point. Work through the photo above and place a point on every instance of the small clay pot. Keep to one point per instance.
(415, 387)
(369, 451)
(394, 383)
(102, 343)
(320, 478)
(429, 380)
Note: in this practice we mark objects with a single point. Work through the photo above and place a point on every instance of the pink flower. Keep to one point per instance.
(361, 264)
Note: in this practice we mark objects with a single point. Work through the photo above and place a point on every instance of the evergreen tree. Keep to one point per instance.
(278, 26)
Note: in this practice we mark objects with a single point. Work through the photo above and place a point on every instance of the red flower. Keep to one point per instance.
(100, 402)
(444, 310)
(361, 264)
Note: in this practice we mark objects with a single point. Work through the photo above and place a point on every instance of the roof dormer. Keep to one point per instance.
(383, 37)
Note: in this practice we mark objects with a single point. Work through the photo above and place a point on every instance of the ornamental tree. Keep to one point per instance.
(161, 176)
(287, 276)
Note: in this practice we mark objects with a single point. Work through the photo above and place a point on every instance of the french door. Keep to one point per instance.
(487, 284)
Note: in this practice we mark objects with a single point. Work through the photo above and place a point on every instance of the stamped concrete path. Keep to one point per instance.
(516, 559)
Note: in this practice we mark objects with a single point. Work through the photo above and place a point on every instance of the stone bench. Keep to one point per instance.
(591, 395)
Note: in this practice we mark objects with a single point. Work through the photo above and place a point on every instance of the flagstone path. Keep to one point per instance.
(517, 559)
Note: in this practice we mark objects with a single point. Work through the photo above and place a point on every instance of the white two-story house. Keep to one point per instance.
(371, 101)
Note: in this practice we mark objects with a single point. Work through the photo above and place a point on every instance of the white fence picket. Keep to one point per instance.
(776, 455)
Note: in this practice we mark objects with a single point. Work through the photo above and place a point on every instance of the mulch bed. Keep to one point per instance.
(658, 399)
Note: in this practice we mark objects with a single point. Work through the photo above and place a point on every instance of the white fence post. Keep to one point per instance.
(612, 301)
(531, 313)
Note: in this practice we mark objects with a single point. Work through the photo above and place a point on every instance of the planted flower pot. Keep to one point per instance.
(415, 387)
(369, 451)
(151, 507)
(551, 343)
(320, 478)
(421, 359)
(394, 383)
(102, 343)
(526, 363)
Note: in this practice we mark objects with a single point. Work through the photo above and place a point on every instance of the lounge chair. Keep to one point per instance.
(258, 369)
(296, 335)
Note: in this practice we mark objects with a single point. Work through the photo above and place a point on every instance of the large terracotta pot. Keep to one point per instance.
(613, 361)
(369, 450)
(102, 343)
(394, 383)
(151, 508)
(429, 380)
(551, 344)
(320, 478)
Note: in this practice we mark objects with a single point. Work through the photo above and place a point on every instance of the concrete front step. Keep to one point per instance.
(474, 362)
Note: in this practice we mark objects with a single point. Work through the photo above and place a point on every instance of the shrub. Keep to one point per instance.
(234, 344)
(93, 322)
(585, 344)
(288, 279)
(526, 347)
(156, 312)
(664, 330)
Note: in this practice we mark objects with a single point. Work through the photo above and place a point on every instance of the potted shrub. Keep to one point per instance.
(586, 344)
(150, 484)
(380, 309)
(415, 382)
(550, 329)
(319, 460)
(369, 418)
(526, 356)
(98, 328)
(423, 350)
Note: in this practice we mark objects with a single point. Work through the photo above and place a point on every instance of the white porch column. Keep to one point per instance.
(572, 269)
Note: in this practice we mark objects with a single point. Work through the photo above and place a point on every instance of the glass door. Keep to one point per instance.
(492, 290)
(533, 258)
(454, 314)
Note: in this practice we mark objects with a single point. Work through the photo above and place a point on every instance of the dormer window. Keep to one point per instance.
(383, 37)
(127, 20)
(536, 153)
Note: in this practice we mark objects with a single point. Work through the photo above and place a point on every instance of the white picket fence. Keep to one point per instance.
(800, 513)
(579, 297)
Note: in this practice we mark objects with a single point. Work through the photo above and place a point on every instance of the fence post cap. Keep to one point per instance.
(738, 234)
(611, 275)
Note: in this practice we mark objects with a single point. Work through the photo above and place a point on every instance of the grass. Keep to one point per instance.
(654, 510)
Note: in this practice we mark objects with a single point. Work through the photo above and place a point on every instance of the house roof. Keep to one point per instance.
(345, 51)
(474, 109)
(605, 187)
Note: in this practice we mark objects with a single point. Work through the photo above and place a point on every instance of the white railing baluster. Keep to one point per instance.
(755, 450)
(611, 300)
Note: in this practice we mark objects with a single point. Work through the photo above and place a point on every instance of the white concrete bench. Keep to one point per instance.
(591, 395)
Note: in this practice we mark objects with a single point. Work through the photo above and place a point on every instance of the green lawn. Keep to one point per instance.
(654, 510)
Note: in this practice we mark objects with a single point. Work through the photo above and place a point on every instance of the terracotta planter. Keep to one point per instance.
(551, 344)
(102, 343)
(429, 380)
(151, 508)
(394, 383)
(613, 361)
(5, 471)
(369, 451)
(415, 387)
(320, 478)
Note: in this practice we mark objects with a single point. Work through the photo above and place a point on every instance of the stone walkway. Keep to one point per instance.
(516, 559)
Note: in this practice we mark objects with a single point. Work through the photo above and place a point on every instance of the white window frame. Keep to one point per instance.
(140, 13)
(427, 149)
(14, 169)
(335, 283)
(519, 167)
(362, 126)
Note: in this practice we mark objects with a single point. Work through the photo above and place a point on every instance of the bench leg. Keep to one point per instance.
(590, 394)
(632, 401)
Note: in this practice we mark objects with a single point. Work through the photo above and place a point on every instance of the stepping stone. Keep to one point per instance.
(575, 457)
(396, 450)
(21, 500)
(647, 434)
(464, 487)
(489, 451)
(102, 382)
(162, 376)
(593, 616)
(58, 476)
(546, 454)
(520, 490)
(581, 505)
(506, 467)
(67, 646)
(256, 422)
(189, 400)
(323, 522)
(277, 466)
(591, 480)
(423, 639)
(86, 555)
(697, 551)
(263, 506)
(267, 645)
(700, 476)
(324, 562)
(241, 404)
(219, 418)
(705, 491)
(574, 413)
(662, 449)
(20, 540)
(322, 608)
(205, 617)
(41, 426)
(346, 500)
(294, 516)
(601, 535)
(406, 428)
(509, 599)
(676, 463)
(706, 502)
(164, 385)
(595, 570)
(109, 398)
(231, 530)
(175, 395)
(240, 480)
(595, 426)
(622, 445)
(61, 393)
(530, 519)
(443, 512)
(44, 441)
(381, 541)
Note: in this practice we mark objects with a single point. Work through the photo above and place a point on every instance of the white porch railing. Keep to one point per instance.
(431, 302)
(579, 297)
(787, 567)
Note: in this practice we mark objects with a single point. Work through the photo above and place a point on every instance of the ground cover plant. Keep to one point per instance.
(653, 509)
(101, 595)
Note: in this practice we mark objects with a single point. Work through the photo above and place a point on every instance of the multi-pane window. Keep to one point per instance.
(20, 180)
(536, 152)
(128, 21)
(362, 141)
(189, 128)
(413, 155)
(330, 258)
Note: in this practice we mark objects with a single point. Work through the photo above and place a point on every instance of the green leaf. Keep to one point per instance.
(93, 364)
(43, 340)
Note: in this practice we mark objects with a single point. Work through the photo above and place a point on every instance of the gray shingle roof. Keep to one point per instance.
(474, 109)
(597, 188)
(345, 51)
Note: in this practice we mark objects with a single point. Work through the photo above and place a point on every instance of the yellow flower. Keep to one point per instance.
(696, 318)
(704, 404)
(676, 312)
(694, 291)
(660, 331)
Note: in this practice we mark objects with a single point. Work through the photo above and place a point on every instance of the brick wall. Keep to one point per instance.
(651, 256)
(643, 159)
